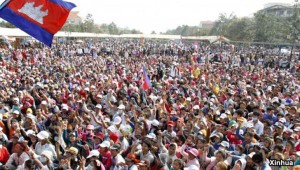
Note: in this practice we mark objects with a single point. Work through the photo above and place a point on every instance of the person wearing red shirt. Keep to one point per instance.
(231, 134)
(105, 154)
(297, 144)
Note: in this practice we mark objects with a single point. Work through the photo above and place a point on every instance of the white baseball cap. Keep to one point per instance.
(98, 106)
(151, 136)
(105, 144)
(155, 123)
(223, 116)
(16, 112)
(249, 125)
(30, 132)
(117, 120)
(44, 102)
(121, 107)
(196, 107)
(65, 107)
(43, 135)
(93, 153)
(191, 167)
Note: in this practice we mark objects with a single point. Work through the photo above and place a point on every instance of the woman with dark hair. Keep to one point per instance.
(178, 164)
(18, 157)
(276, 149)
(91, 162)
(146, 154)
(29, 164)
(44, 144)
(289, 149)
(219, 157)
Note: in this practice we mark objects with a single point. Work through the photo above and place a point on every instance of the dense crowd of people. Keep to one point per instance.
(126, 105)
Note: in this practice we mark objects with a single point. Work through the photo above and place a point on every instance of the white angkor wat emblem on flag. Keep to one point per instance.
(34, 13)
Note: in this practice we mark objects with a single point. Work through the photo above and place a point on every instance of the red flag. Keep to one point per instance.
(39, 18)
(3, 63)
(24, 55)
(14, 56)
(146, 81)
(32, 60)
(120, 84)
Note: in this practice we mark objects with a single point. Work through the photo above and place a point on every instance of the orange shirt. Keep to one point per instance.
(11, 132)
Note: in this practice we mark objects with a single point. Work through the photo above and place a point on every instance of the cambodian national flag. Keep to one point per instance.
(39, 18)
(146, 81)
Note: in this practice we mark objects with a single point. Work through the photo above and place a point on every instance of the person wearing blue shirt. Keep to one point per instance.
(269, 115)
(217, 139)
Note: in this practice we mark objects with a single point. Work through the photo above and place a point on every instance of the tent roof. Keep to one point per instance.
(15, 32)
(211, 39)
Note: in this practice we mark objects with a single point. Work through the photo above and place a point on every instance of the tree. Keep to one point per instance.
(88, 24)
(153, 32)
(241, 29)
(294, 20)
(270, 28)
(134, 31)
(6, 24)
(222, 24)
(113, 29)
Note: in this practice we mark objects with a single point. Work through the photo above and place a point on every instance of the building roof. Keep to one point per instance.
(207, 22)
(268, 5)
(73, 15)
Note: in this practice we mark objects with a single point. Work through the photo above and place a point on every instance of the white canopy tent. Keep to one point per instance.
(211, 39)
(17, 33)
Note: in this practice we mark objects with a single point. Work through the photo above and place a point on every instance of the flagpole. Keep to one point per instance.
(4, 4)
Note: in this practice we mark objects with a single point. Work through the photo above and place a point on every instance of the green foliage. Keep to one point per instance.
(294, 21)
(261, 28)
(270, 28)
(6, 24)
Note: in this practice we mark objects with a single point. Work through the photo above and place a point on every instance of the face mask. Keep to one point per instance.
(141, 118)
(236, 152)
(43, 160)
(221, 148)
(254, 118)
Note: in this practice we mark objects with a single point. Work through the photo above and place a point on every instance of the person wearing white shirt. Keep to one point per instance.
(42, 163)
(169, 133)
(44, 144)
(171, 151)
(192, 157)
(18, 158)
(117, 159)
(258, 125)
(119, 125)
(98, 115)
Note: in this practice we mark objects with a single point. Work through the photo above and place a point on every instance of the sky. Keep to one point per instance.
(161, 15)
